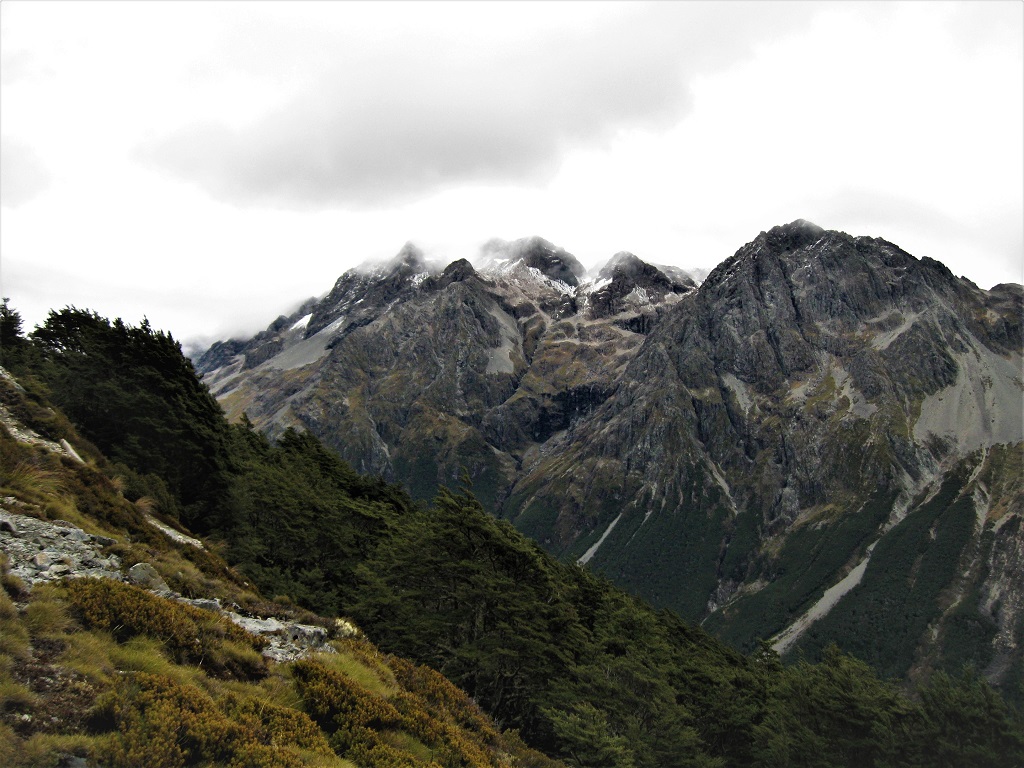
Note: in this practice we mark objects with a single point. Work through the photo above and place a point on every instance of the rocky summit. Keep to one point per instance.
(820, 443)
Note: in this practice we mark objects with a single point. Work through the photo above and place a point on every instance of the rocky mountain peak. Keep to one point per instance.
(456, 272)
(622, 262)
(627, 282)
(627, 266)
(409, 260)
(551, 261)
(691, 443)
(789, 237)
(362, 293)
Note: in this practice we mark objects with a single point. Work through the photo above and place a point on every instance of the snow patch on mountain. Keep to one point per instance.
(302, 322)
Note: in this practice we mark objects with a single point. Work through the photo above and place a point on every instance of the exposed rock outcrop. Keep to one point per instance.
(41, 551)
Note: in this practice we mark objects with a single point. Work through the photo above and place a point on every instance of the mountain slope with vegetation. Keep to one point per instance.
(760, 454)
(557, 656)
(114, 674)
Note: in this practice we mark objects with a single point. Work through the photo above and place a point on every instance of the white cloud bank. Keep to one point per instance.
(211, 164)
(408, 115)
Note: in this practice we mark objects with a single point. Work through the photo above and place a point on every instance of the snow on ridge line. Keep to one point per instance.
(302, 322)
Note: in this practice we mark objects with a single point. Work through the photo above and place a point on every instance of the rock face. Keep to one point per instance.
(417, 373)
(144, 575)
(822, 440)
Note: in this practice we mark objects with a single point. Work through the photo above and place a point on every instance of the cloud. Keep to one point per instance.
(404, 114)
(22, 174)
(887, 210)
(988, 247)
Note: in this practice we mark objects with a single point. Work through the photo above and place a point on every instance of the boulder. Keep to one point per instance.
(144, 575)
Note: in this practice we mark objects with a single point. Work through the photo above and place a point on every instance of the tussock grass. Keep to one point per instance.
(146, 505)
(146, 654)
(406, 742)
(47, 750)
(89, 654)
(13, 633)
(7, 608)
(30, 482)
(64, 508)
(10, 586)
(344, 661)
(46, 614)
(15, 696)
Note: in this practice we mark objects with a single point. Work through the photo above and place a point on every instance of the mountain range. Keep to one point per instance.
(822, 442)
(177, 589)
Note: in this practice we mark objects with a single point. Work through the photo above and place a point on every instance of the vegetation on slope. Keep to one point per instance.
(583, 671)
(109, 672)
(122, 677)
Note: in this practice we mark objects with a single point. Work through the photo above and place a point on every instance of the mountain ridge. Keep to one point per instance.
(696, 444)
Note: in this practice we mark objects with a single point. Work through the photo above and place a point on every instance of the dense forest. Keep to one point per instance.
(584, 672)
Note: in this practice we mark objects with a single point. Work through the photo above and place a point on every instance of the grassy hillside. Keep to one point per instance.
(119, 676)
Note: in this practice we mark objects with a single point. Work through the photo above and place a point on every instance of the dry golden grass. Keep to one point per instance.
(29, 482)
(146, 505)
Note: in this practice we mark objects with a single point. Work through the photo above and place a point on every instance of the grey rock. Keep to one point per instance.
(6, 526)
(145, 575)
(41, 560)
(206, 605)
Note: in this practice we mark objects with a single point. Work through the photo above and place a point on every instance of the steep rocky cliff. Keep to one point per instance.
(819, 443)
(419, 373)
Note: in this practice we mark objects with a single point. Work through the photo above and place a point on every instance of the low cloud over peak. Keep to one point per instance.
(392, 119)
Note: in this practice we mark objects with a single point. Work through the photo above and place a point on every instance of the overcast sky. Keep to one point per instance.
(209, 165)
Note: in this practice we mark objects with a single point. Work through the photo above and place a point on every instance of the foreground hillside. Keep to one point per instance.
(172, 670)
(124, 642)
(823, 442)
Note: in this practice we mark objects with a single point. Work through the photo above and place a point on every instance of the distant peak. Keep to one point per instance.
(408, 261)
(536, 252)
(551, 261)
(801, 229)
(789, 237)
(410, 255)
(623, 261)
(803, 225)
(457, 271)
